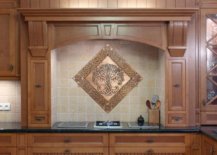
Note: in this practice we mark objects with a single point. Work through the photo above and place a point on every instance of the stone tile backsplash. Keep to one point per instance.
(72, 103)
(10, 92)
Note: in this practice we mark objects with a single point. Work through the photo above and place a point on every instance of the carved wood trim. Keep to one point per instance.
(38, 38)
(108, 14)
(177, 34)
(6, 4)
(38, 51)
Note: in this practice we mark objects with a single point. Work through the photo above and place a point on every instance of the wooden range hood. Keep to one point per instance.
(48, 29)
(110, 24)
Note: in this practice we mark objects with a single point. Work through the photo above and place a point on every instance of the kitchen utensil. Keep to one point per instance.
(154, 99)
(158, 103)
(148, 104)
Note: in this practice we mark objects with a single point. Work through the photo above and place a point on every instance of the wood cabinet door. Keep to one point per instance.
(208, 67)
(147, 151)
(39, 94)
(68, 151)
(176, 109)
(208, 146)
(8, 46)
(7, 151)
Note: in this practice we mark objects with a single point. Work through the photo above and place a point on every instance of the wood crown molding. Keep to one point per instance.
(108, 14)
(8, 4)
(177, 20)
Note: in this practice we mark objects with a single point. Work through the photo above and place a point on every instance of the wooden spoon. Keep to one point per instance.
(148, 104)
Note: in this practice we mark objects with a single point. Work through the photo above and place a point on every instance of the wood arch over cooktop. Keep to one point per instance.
(162, 28)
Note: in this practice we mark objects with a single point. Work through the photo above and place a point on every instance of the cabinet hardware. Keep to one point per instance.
(66, 151)
(39, 118)
(176, 118)
(212, 150)
(150, 151)
(38, 86)
(176, 85)
(67, 140)
(150, 141)
(10, 67)
(204, 102)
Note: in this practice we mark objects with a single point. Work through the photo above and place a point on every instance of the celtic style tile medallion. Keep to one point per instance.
(107, 78)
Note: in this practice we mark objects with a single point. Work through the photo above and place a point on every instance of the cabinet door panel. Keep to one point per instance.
(208, 146)
(208, 66)
(7, 151)
(148, 151)
(177, 85)
(38, 92)
(8, 49)
(38, 85)
(68, 151)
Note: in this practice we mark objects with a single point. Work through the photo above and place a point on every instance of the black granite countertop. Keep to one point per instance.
(210, 131)
(16, 128)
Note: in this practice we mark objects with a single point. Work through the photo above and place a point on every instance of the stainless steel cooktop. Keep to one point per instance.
(72, 124)
(108, 124)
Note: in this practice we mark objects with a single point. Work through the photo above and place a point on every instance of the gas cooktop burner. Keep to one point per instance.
(107, 124)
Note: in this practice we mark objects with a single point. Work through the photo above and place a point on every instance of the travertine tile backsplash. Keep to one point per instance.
(10, 92)
(71, 103)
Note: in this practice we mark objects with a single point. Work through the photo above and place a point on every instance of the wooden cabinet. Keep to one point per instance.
(71, 151)
(8, 144)
(208, 74)
(8, 44)
(73, 144)
(7, 151)
(209, 146)
(39, 97)
(148, 151)
(176, 108)
(155, 144)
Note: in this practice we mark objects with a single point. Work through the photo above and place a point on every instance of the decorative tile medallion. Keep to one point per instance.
(107, 78)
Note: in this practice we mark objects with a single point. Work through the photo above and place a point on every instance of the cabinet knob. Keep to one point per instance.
(212, 151)
(204, 102)
(10, 67)
(150, 141)
(149, 152)
(176, 118)
(38, 86)
(67, 151)
(67, 140)
(176, 85)
(39, 118)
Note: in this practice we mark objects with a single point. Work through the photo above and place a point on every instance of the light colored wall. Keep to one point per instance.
(74, 104)
(10, 92)
(53, 87)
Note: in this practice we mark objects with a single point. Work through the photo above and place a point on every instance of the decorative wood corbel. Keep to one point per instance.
(38, 38)
(177, 34)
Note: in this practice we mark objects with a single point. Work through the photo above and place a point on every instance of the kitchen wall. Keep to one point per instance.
(10, 92)
(72, 103)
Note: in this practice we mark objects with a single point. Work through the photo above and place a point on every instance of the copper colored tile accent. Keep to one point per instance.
(107, 78)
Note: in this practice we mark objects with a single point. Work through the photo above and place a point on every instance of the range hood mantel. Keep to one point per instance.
(108, 14)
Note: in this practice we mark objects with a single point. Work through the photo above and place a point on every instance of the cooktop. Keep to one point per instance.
(107, 124)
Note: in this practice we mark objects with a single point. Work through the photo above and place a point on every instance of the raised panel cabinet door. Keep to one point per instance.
(8, 47)
(177, 84)
(147, 151)
(69, 151)
(39, 93)
(7, 151)
(208, 146)
(208, 66)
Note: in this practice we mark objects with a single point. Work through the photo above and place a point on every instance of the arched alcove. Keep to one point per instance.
(71, 103)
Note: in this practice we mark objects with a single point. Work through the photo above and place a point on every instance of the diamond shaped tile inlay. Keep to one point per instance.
(107, 78)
